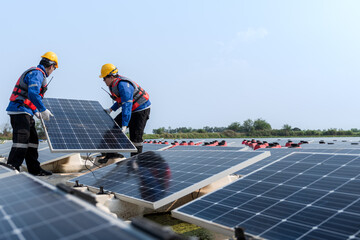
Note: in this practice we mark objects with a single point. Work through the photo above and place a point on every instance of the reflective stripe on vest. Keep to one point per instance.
(140, 96)
(20, 91)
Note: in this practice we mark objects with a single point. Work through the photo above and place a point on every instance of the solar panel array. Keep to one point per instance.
(302, 196)
(206, 148)
(30, 209)
(83, 126)
(156, 178)
(277, 153)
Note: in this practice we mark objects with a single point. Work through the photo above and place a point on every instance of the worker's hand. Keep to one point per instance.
(108, 111)
(123, 129)
(45, 115)
(37, 114)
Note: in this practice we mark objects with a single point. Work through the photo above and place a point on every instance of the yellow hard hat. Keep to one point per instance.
(52, 57)
(107, 69)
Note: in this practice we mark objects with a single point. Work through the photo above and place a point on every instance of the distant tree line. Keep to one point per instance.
(249, 128)
(6, 133)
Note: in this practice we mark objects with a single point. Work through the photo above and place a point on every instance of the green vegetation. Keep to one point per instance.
(6, 133)
(249, 129)
(179, 226)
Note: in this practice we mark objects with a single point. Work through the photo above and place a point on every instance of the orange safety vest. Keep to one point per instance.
(20, 91)
(140, 96)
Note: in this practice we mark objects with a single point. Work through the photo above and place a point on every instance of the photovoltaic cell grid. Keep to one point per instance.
(277, 153)
(156, 178)
(30, 210)
(303, 196)
(83, 126)
(205, 148)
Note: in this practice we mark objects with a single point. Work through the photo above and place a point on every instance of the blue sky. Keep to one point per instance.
(204, 63)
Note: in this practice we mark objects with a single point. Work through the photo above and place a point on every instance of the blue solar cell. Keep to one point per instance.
(258, 223)
(328, 183)
(281, 191)
(283, 210)
(286, 230)
(336, 201)
(345, 223)
(257, 205)
(320, 234)
(312, 216)
(306, 196)
(302, 180)
(234, 200)
(233, 217)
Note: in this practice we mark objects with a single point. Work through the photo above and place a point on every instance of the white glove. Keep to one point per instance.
(37, 114)
(123, 129)
(45, 115)
(108, 111)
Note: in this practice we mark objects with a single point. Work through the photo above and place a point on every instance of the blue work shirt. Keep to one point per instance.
(34, 80)
(126, 91)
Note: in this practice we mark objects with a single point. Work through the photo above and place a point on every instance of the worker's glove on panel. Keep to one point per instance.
(37, 114)
(45, 115)
(123, 129)
(108, 111)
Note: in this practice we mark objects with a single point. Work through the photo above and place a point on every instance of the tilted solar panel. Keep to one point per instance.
(156, 178)
(302, 196)
(83, 126)
(30, 209)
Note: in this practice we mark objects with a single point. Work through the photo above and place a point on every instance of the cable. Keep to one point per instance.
(88, 158)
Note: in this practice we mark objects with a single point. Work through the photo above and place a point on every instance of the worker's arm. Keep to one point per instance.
(126, 91)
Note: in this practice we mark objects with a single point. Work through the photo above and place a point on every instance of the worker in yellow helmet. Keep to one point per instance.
(133, 100)
(25, 102)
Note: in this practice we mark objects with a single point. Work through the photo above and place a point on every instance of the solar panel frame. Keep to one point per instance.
(5, 171)
(184, 187)
(46, 156)
(260, 220)
(85, 111)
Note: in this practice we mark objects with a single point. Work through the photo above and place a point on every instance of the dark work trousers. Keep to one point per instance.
(136, 127)
(25, 143)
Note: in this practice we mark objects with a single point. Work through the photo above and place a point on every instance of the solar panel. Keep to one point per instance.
(30, 209)
(205, 148)
(277, 153)
(156, 178)
(302, 196)
(83, 126)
